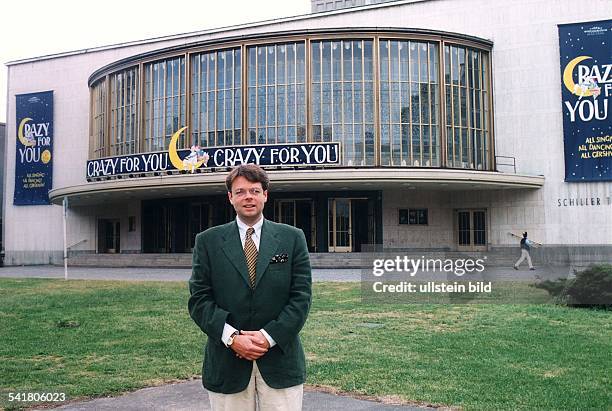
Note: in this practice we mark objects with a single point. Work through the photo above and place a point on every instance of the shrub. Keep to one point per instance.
(591, 288)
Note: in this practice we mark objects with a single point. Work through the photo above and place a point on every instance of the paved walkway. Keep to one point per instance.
(191, 396)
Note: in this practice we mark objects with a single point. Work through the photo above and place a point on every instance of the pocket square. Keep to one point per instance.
(279, 258)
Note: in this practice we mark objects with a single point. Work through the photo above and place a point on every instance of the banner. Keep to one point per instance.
(586, 83)
(215, 157)
(33, 161)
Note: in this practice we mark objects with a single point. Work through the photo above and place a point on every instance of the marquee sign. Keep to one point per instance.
(586, 83)
(215, 157)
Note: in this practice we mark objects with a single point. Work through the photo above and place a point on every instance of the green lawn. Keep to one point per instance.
(479, 356)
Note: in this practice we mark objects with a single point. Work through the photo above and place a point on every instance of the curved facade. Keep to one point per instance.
(389, 97)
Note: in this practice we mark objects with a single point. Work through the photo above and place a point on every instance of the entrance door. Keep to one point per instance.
(200, 219)
(109, 236)
(298, 213)
(471, 230)
(340, 225)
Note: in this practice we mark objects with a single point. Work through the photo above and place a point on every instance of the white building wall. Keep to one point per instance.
(527, 112)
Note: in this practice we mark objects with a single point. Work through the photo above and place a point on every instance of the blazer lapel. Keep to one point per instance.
(232, 247)
(268, 245)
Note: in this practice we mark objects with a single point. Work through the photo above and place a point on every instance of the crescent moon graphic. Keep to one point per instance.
(174, 157)
(568, 81)
(23, 140)
(173, 154)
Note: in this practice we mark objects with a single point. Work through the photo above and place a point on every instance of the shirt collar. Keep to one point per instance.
(244, 227)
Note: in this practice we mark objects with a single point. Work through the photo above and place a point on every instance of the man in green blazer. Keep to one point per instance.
(250, 294)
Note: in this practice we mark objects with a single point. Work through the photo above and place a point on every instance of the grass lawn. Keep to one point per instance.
(480, 356)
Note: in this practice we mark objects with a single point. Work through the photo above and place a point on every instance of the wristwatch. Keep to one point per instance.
(230, 340)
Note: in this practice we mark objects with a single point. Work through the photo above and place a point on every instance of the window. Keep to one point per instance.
(343, 97)
(276, 94)
(409, 104)
(98, 116)
(124, 112)
(164, 102)
(216, 98)
(467, 107)
(413, 216)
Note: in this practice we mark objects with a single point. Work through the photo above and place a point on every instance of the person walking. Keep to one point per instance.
(526, 245)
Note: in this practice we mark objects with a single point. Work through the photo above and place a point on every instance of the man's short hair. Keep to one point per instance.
(525, 234)
(251, 172)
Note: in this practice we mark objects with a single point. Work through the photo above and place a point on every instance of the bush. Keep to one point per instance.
(591, 288)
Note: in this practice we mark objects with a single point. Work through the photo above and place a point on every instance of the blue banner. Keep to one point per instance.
(34, 153)
(586, 83)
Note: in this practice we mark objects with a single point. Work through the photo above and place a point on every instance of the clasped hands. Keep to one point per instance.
(250, 345)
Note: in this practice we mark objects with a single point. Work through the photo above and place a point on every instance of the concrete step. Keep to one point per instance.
(318, 260)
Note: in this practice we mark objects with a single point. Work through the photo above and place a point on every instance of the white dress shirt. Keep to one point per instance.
(228, 330)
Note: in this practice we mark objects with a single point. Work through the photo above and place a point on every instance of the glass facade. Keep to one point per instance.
(409, 103)
(164, 102)
(98, 116)
(216, 98)
(466, 84)
(277, 94)
(391, 100)
(343, 97)
(124, 112)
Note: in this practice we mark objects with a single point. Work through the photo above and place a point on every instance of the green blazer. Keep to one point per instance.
(279, 303)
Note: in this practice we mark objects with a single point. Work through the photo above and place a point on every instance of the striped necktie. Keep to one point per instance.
(250, 252)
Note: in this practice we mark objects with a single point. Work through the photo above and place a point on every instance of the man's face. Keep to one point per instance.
(248, 199)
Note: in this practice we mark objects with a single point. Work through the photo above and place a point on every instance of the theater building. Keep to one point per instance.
(434, 125)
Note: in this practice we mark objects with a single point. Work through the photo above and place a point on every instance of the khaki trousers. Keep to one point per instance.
(259, 396)
(524, 254)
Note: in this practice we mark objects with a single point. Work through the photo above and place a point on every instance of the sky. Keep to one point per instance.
(49, 27)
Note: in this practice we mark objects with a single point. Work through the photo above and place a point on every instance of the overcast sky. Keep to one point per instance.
(39, 27)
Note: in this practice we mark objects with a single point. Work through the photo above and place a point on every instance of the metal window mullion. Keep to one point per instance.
(244, 89)
(410, 91)
(107, 124)
(401, 101)
(432, 104)
(307, 91)
(420, 110)
(468, 113)
(124, 92)
(342, 98)
(481, 99)
(285, 92)
(452, 100)
(442, 107)
(331, 82)
(353, 101)
(321, 87)
(376, 91)
(363, 105)
(295, 87)
(276, 94)
(197, 92)
(163, 100)
(390, 97)
(215, 98)
(187, 120)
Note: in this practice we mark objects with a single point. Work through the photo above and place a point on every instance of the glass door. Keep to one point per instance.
(340, 225)
(109, 236)
(471, 230)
